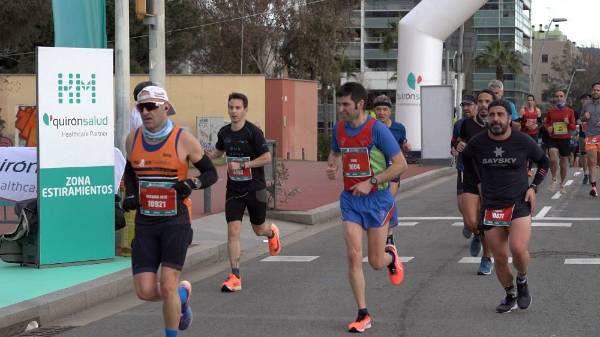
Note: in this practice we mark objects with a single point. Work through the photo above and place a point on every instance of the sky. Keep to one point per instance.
(582, 18)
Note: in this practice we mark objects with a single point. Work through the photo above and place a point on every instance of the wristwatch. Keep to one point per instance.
(373, 180)
(534, 187)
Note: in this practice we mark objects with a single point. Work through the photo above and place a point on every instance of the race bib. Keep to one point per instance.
(238, 175)
(498, 217)
(592, 140)
(356, 162)
(560, 128)
(157, 199)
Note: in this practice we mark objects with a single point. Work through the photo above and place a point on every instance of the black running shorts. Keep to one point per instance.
(522, 209)
(160, 244)
(562, 145)
(255, 202)
(459, 182)
(469, 184)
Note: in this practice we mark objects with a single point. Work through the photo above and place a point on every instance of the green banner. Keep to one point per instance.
(77, 206)
(79, 23)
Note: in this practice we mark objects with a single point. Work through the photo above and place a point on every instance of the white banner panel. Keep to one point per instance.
(76, 107)
(18, 172)
(436, 120)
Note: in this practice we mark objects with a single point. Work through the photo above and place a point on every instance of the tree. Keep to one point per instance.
(25, 25)
(500, 56)
(563, 68)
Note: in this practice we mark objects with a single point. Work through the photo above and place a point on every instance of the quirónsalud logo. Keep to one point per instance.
(59, 122)
(72, 88)
(413, 80)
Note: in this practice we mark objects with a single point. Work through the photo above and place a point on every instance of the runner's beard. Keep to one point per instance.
(498, 129)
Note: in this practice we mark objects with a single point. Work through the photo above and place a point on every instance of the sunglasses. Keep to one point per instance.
(149, 106)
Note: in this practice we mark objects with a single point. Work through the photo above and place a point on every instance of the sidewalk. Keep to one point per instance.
(65, 291)
(315, 189)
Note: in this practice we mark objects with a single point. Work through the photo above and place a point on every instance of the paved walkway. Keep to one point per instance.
(308, 177)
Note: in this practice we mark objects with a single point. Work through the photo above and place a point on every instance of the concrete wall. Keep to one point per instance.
(192, 96)
(292, 117)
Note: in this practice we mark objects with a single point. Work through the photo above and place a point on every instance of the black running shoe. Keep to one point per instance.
(585, 179)
(594, 192)
(523, 297)
(507, 305)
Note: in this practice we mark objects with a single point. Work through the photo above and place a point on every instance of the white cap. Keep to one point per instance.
(154, 94)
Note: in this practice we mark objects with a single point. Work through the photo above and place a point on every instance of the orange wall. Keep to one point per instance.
(291, 117)
(192, 95)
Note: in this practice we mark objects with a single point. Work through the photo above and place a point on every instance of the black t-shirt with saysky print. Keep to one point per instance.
(501, 166)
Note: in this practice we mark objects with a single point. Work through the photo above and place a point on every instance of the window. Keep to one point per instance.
(544, 58)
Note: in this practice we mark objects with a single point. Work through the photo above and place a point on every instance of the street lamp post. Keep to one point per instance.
(577, 70)
(542, 50)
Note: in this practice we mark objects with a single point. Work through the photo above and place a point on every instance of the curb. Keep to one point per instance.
(61, 303)
(332, 210)
(47, 308)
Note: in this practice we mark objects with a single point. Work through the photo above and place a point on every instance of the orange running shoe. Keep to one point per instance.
(360, 325)
(274, 242)
(233, 283)
(396, 271)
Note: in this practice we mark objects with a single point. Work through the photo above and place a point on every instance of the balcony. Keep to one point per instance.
(378, 54)
(390, 5)
(483, 22)
(380, 22)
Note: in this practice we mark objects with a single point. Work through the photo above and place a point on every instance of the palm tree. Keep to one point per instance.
(499, 55)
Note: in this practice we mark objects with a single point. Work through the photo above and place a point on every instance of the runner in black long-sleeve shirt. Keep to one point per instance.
(498, 159)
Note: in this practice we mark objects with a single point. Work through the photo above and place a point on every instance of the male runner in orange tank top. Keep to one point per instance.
(158, 188)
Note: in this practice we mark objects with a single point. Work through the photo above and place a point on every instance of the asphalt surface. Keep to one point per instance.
(439, 297)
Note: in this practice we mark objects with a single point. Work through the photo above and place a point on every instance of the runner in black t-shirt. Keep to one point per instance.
(246, 152)
(498, 159)
(468, 199)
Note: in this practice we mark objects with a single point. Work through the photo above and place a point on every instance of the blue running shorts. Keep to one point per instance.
(371, 211)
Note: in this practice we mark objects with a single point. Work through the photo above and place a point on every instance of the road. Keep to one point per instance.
(441, 295)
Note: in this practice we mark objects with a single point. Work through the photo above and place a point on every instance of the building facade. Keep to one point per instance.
(510, 22)
(548, 47)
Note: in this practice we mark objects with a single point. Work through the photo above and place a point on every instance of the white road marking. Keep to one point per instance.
(404, 259)
(407, 224)
(556, 195)
(537, 217)
(583, 261)
(576, 173)
(542, 213)
(282, 258)
(550, 218)
(477, 259)
(430, 218)
(569, 182)
(533, 224)
(551, 224)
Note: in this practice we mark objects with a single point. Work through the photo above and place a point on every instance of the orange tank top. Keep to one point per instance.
(530, 121)
(157, 167)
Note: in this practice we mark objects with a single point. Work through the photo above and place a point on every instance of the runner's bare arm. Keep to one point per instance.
(190, 148)
(332, 164)
(260, 161)
(397, 167)
(214, 154)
